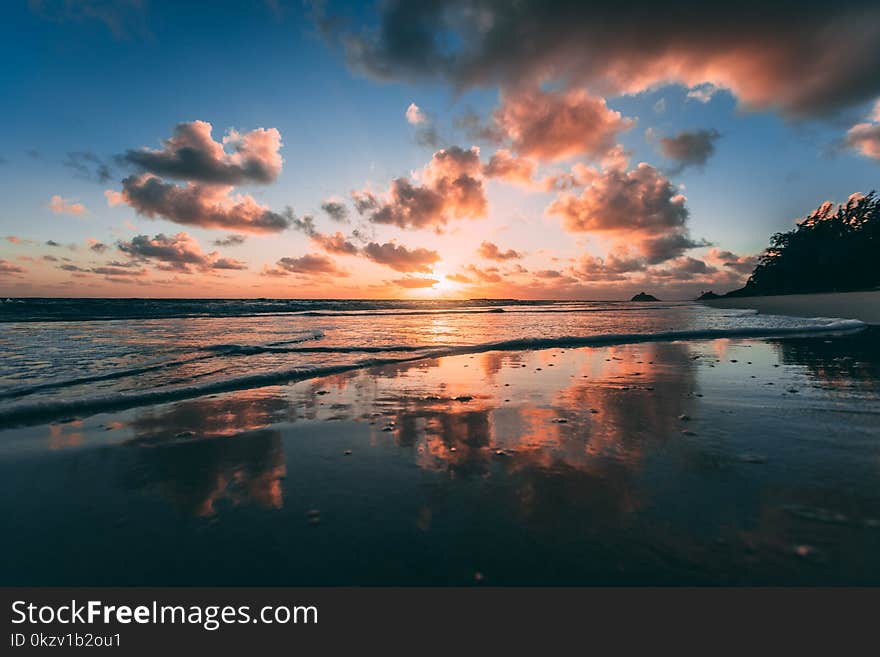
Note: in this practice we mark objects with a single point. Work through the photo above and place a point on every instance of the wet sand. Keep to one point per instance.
(670, 463)
(864, 306)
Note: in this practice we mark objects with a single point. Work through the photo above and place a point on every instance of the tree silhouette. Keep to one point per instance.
(834, 249)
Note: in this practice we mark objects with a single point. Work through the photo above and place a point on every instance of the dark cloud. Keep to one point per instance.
(310, 264)
(400, 258)
(740, 264)
(192, 154)
(180, 252)
(207, 206)
(230, 240)
(689, 148)
(804, 57)
(210, 169)
(88, 166)
(108, 271)
(97, 247)
(425, 131)
(336, 210)
(123, 18)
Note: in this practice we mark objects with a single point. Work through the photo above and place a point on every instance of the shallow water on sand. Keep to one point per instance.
(731, 461)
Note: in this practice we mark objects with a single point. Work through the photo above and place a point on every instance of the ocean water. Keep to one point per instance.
(68, 357)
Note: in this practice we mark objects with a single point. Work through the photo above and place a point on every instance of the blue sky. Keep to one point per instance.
(72, 84)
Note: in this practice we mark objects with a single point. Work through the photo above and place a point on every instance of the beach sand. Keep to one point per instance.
(864, 306)
(714, 462)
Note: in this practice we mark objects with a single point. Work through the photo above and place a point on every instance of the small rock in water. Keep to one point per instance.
(348, 452)
(185, 434)
(684, 418)
(463, 398)
(593, 410)
(734, 360)
(500, 452)
(793, 390)
(323, 392)
(453, 449)
(560, 420)
(388, 428)
(806, 551)
(688, 432)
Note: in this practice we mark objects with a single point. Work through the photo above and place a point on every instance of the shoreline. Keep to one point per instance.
(864, 306)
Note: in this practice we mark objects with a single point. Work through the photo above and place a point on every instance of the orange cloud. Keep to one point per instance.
(415, 282)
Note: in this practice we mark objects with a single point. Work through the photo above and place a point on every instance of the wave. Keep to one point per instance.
(254, 349)
(89, 310)
(220, 349)
(44, 411)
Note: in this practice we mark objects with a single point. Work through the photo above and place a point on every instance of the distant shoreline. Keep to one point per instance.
(864, 306)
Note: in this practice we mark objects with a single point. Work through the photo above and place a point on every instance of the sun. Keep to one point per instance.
(442, 288)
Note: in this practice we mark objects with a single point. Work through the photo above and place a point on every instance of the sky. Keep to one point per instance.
(443, 149)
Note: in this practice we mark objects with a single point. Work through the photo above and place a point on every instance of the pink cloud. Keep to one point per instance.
(310, 264)
(449, 187)
(336, 243)
(639, 208)
(8, 269)
(59, 205)
(490, 251)
(415, 282)
(508, 167)
(558, 125)
(400, 258)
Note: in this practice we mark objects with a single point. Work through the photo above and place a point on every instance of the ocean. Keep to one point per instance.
(64, 357)
(472, 443)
